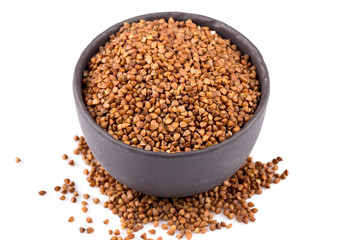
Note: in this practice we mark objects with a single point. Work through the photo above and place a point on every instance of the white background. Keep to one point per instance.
(312, 52)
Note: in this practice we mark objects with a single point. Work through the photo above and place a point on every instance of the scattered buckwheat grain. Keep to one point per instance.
(194, 214)
(89, 220)
(42, 193)
(89, 230)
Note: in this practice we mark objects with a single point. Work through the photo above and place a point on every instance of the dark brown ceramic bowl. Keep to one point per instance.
(172, 174)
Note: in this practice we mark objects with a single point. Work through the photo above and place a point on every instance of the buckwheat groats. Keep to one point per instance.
(170, 86)
(179, 217)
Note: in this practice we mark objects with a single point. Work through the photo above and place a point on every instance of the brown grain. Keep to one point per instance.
(42, 193)
(89, 230)
(171, 232)
(71, 189)
(188, 234)
(89, 220)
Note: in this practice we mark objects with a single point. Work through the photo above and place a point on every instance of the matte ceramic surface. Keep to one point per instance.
(172, 174)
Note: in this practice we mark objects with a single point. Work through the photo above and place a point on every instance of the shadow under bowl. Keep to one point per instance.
(172, 174)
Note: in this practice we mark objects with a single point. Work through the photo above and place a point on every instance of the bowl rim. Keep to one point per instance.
(255, 53)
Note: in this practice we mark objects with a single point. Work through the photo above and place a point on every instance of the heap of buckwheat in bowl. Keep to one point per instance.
(170, 86)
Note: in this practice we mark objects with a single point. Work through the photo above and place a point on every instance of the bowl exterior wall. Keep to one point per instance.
(173, 176)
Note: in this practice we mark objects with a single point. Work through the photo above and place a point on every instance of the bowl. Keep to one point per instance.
(172, 174)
